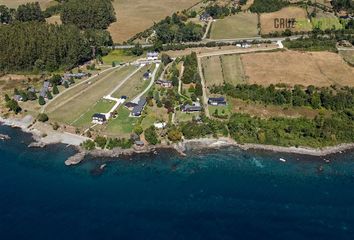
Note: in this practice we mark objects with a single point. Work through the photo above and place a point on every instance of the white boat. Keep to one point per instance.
(282, 159)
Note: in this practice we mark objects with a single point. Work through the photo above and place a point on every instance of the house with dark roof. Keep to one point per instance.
(147, 75)
(139, 108)
(130, 105)
(205, 17)
(45, 89)
(99, 118)
(164, 83)
(195, 107)
(220, 101)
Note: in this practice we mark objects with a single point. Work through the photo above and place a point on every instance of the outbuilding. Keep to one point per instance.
(99, 118)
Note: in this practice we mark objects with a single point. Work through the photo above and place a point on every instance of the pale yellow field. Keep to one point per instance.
(212, 71)
(233, 69)
(138, 15)
(15, 3)
(291, 67)
(300, 15)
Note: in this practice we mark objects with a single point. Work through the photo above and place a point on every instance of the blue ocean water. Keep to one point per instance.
(226, 194)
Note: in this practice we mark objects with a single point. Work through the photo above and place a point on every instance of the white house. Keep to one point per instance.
(152, 56)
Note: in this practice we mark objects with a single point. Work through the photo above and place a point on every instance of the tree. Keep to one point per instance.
(88, 14)
(56, 79)
(42, 117)
(151, 135)
(49, 95)
(165, 59)
(12, 105)
(29, 12)
(66, 84)
(88, 145)
(138, 129)
(5, 15)
(101, 141)
(7, 98)
(55, 90)
(174, 135)
(41, 101)
(137, 50)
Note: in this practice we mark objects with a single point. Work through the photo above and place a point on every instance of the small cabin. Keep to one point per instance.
(99, 118)
(220, 101)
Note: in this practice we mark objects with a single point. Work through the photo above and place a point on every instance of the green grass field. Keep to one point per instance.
(241, 25)
(75, 102)
(102, 106)
(119, 56)
(233, 69)
(212, 71)
(121, 126)
(220, 69)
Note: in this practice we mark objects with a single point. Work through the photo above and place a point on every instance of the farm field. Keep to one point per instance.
(212, 71)
(138, 15)
(291, 67)
(134, 85)
(68, 107)
(233, 69)
(16, 3)
(300, 15)
(241, 25)
(220, 69)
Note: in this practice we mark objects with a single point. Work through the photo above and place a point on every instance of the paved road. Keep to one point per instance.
(214, 40)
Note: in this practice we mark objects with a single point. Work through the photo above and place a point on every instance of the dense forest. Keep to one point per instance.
(27, 43)
(174, 29)
(98, 14)
(325, 97)
(38, 46)
(262, 6)
(347, 5)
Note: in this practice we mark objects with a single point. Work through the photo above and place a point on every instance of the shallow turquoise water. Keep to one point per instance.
(225, 194)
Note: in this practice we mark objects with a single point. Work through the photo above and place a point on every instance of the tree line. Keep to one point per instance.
(36, 46)
(328, 98)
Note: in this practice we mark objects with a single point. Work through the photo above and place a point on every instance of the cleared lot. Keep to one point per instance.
(291, 67)
(300, 15)
(241, 25)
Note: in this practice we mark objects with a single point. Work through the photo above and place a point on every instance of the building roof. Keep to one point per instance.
(163, 81)
(219, 99)
(152, 54)
(130, 104)
(191, 108)
(139, 143)
(140, 107)
(99, 116)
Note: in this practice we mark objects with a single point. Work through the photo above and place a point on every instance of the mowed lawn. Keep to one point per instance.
(119, 56)
(297, 13)
(241, 25)
(121, 126)
(72, 104)
(220, 69)
(138, 15)
(102, 106)
(135, 85)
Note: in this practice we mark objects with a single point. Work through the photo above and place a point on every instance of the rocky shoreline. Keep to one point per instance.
(188, 145)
